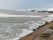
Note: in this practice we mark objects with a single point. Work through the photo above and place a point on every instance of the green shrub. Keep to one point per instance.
(51, 27)
(45, 35)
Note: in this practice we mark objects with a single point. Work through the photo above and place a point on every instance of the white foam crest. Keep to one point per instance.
(25, 32)
(8, 15)
(15, 39)
(34, 25)
(41, 22)
(51, 15)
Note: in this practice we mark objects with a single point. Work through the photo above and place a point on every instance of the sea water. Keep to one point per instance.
(12, 27)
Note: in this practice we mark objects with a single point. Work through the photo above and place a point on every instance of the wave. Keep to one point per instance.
(40, 22)
(8, 15)
(34, 25)
(31, 26)
(25, 32)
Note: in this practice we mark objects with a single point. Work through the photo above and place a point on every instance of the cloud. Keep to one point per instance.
(25, 4)
(9, 4)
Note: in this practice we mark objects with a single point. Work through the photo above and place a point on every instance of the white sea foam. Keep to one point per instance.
(25, 32)
(15, 39)
(41, 22)
(35, 25)
(32, 26)
(8, 15)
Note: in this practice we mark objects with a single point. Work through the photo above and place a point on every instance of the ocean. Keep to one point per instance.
(15, 25)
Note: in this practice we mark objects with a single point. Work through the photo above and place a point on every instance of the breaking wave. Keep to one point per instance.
(8, 15)
(34, 25)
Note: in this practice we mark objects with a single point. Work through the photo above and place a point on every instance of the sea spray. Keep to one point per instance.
(41, 22)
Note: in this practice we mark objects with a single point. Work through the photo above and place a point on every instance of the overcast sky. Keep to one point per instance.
(25, 4)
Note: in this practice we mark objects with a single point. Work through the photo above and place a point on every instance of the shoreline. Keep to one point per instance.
(34, 34)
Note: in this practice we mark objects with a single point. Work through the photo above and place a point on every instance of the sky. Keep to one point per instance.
(26, 4)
